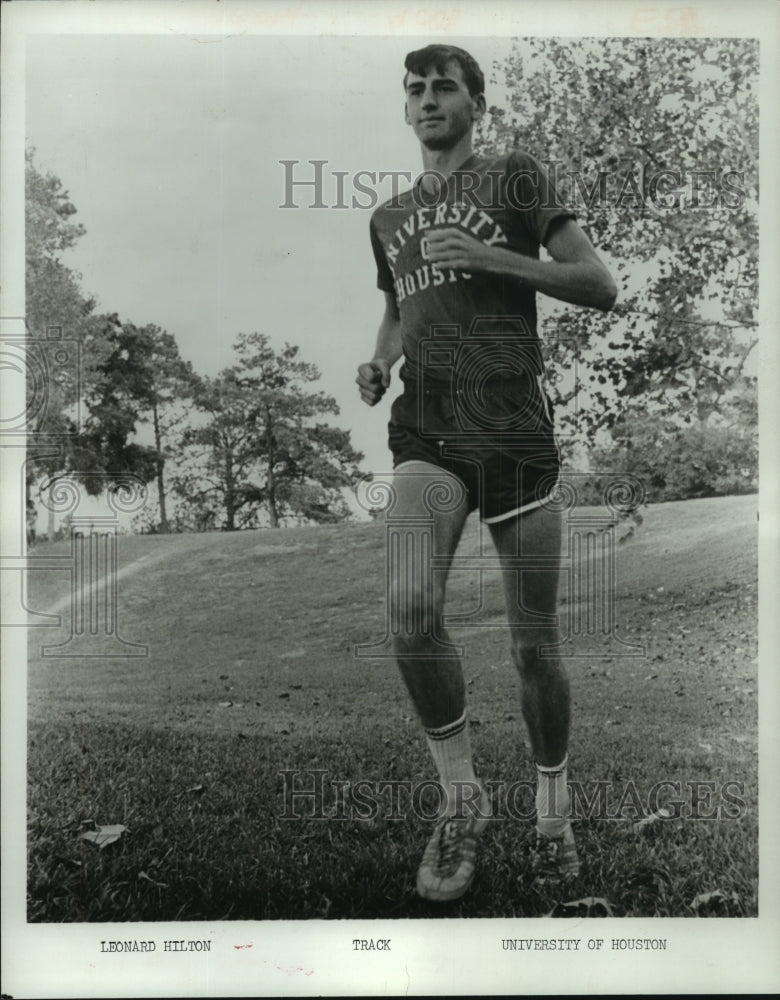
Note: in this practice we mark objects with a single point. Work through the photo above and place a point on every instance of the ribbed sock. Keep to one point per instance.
(450, 747)
(552, 799)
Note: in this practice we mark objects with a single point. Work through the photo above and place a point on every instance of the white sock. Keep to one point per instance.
(450, 747)
(552, 799)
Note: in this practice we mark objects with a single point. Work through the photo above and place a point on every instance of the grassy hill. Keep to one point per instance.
(251, 675)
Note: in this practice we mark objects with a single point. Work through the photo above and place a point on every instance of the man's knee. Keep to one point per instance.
(417, 618)
(531, 650)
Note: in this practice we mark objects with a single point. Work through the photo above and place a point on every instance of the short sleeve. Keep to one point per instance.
(384, 276)
(531, 193)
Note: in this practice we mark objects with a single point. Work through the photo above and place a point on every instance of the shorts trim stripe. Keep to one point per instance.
(515, 513)
(423, 461)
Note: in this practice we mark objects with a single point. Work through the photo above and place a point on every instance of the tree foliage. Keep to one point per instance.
(53, 300)
(136, 376)
(262, 453)
(678, 463)
(58, 317)
(655, 144)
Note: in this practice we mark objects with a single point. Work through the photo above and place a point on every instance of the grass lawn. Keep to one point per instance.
(251, 673)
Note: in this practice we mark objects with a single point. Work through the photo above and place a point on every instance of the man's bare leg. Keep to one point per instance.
(435, 682)
(531, 594)
(434, 679)
(532, 599)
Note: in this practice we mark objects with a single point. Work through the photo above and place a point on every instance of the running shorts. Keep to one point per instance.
(502, 447)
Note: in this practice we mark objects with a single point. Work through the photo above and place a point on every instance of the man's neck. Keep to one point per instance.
(446, 161)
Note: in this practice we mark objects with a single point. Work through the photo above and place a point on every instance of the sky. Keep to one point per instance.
(170, 147)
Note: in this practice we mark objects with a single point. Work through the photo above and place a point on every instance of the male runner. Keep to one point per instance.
(461, 250)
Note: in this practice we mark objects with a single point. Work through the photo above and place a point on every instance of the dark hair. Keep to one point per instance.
(422, 61)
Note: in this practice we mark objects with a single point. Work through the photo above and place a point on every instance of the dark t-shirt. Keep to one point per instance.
(448, 315)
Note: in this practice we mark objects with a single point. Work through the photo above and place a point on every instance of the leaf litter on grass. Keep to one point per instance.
(147, 878)
(590, 906)
(104, 835)
(656, 817)
(717, 904)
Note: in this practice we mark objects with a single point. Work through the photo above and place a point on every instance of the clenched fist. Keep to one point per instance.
(455, 248)
(373, 379)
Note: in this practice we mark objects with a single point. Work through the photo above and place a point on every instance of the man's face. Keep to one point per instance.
(439, 107)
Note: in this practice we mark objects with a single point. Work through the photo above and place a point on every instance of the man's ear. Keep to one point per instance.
(406, 114)
(480, 107)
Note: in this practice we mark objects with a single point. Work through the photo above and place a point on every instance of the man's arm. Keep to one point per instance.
(575, 274)
(374, 377)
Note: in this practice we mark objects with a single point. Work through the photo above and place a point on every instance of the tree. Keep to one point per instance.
(655, 143)
(261, 450)
(137, 376)
(53, 300)
(53, 296)
(171, 384)
(713, 458)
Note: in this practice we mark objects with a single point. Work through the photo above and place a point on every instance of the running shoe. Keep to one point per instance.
(555, 857)
(447, 867)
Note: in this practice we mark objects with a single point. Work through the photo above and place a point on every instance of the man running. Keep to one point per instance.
(458, 261)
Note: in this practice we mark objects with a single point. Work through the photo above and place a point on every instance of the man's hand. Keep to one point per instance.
(373, 379)
(461, 251)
